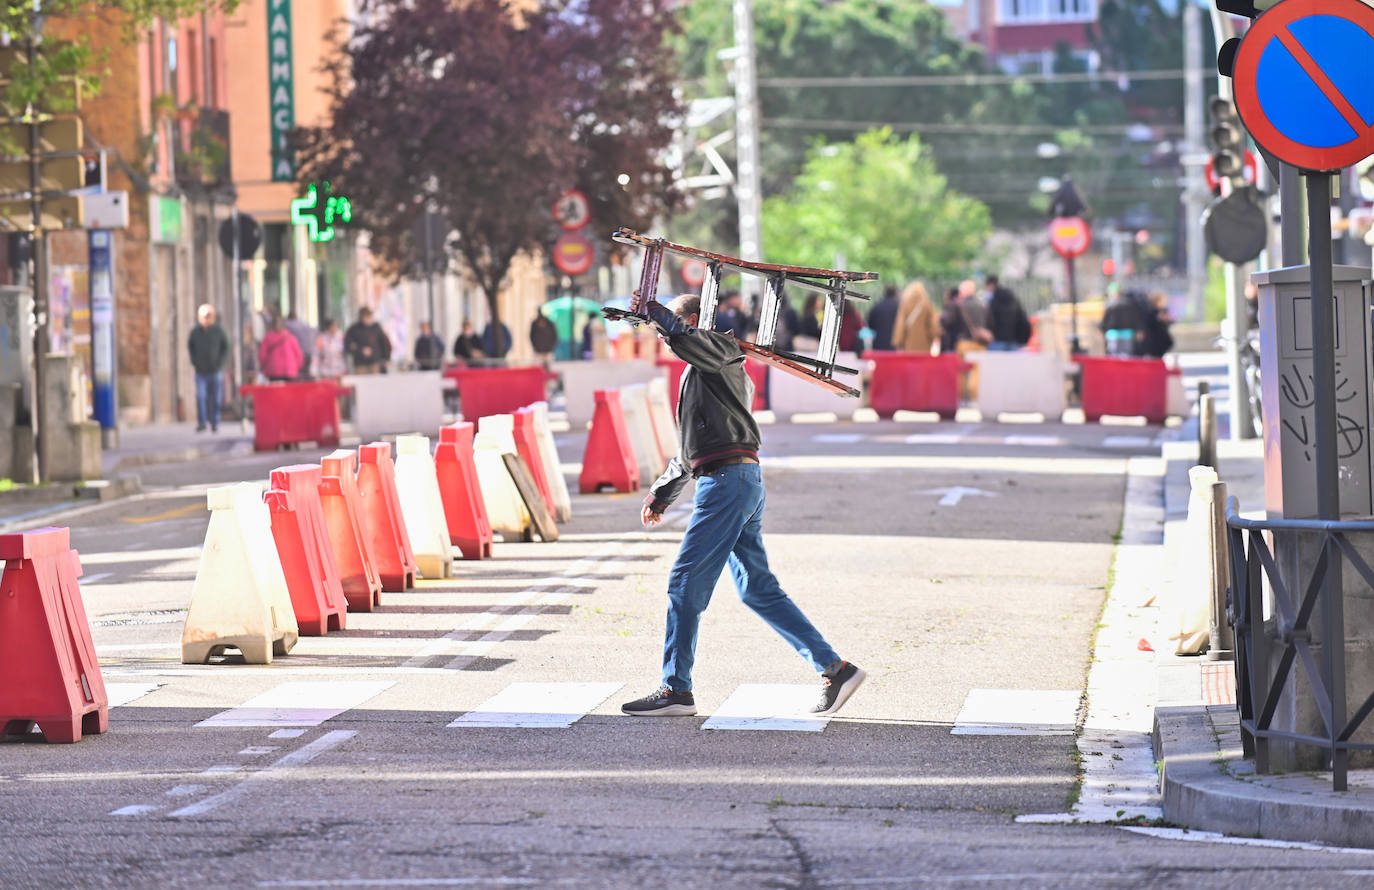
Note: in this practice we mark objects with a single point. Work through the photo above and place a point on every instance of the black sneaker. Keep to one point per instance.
(663, 703)
(838, 688)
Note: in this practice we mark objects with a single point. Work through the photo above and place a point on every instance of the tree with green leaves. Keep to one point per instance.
(881, 203)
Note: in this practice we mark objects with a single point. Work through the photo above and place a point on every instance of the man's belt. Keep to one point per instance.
(714, 465)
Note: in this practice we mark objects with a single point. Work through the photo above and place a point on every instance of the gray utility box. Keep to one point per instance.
(1290, 477)
(16, 341)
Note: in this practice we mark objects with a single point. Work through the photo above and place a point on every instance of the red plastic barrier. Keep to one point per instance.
(362, 586)
(757, 371)
(1128, 387)
(290, 413)
(910, 381)
(483, 391)
(386, 529)
(49, 674)
(610, 458)
(307, 556)
(527, 446)
(464, 510)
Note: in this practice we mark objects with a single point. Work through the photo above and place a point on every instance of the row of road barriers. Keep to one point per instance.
(321, 541)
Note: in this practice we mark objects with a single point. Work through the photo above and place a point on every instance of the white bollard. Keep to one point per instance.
(548, 455)
(1188, 605)
(506, 510)
(661, 414)
(634, 401)
(422, 507)
(240, 599)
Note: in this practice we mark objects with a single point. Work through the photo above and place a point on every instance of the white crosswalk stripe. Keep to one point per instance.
(768, 706)
(1018, 712)
(538, 705)
(299, 704)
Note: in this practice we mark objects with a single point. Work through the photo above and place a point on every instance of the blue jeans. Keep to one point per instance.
(727, 526)
(207, 399)
(1003, 346)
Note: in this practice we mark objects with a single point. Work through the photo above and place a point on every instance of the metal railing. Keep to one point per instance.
(1261, 679)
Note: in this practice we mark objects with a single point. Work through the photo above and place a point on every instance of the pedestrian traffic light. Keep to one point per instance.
(1227, 139)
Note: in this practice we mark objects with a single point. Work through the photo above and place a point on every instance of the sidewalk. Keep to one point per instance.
(161, 443)
(1205, 782)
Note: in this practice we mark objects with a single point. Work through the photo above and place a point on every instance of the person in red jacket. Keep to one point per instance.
(279, 355)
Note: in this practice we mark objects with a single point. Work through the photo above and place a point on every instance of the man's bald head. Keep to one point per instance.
(687, 307)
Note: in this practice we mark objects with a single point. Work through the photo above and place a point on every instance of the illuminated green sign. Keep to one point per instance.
(319, 211)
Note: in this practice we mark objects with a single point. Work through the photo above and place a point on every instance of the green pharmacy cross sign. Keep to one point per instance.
(320, 211)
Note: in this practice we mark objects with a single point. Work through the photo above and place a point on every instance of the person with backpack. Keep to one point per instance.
(1007, 319)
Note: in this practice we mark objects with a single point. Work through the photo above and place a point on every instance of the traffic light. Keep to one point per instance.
(1246, 9)
(1227, 138)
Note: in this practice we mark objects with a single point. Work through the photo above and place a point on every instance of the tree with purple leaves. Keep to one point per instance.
(484, 114)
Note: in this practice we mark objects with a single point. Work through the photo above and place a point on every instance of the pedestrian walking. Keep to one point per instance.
(429, 349)
(882, 318)
(1007, 319)
(811, 313)
(367, 345)
(543, 337)
(1158, 338)
(916, 327)
(467, 346)
(1122, 323)
(279, 355)
(730, 314)
(305, 338)
(720, 446)
(209, 348)
(329, 351)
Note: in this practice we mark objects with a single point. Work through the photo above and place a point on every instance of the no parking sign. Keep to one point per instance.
(1302, 82)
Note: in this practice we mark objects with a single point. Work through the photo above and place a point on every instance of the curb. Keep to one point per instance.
(188, 454)
(1207, 786)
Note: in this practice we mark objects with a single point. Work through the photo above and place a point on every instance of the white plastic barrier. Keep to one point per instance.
(1020, 383)
(506, 510)
(396, 403)
(239, 599)
(634, 401)
(789, 395)
(661, 415)
(582, 379)
(548, 454)
(1187, 603)
(422, 508)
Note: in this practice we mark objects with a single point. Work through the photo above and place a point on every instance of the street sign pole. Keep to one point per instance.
(40, 288)
(238, 323)
(1074, 348)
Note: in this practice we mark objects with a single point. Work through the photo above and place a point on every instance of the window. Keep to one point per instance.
(1034, 12)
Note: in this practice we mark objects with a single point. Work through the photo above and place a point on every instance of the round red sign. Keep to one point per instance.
(572, 210)
(1069, 236)
(573, 253)
(693, 273)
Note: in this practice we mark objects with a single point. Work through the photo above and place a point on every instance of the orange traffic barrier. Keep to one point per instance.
(49, 674)
(527, 446)
(362, 585)
(610, 458)
(465, 512)
(318, 606)
(386, 530)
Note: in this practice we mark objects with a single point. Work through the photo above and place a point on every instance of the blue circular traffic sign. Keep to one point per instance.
(1302, 82)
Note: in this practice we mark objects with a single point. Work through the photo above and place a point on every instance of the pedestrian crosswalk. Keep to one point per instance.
(1145, 441)
(291, 708)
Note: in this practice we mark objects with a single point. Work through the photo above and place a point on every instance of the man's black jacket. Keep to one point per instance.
(209, 348)
(713, 409)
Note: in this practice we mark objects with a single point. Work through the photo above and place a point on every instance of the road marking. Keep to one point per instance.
(963, 464)
(1211, 837)
(296, 758)
(131, 554)
(121, 694)
(134, 809)
(299, 704)
(1018, 712)
(1127, 442)
(950, 497)
(419, 882)
(287, 734)
(258, 750)
(221, 769)
(1035, 441)
(934, 438)
(838, 438)
(175, 513)
(538, 705)
(768, 706)
(89, 580)
(185, 790)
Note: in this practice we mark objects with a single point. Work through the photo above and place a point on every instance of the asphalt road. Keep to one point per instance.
(999, 589)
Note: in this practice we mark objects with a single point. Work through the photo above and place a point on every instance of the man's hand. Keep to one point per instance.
(649, 517)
